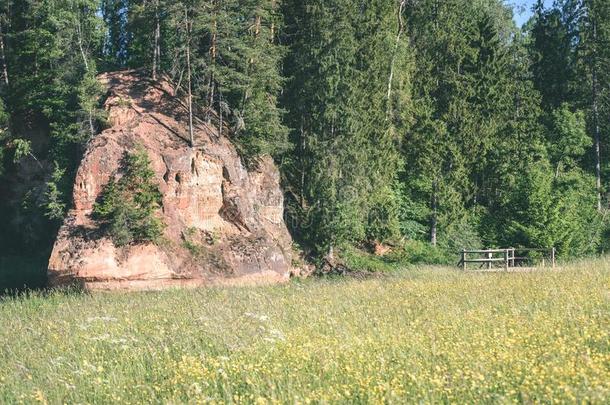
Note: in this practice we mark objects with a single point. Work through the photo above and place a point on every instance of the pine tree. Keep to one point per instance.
(385, 68)
(257, 119)
(115, 17)
(50, 49)
(349, 91)
(594, 55)
(4, 134)
(437, 169)
(552, 52)
(128, 206)
(324, 50)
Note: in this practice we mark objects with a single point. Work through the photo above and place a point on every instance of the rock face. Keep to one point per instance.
(224, 225)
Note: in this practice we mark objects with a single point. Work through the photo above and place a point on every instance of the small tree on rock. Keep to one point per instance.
(128, 206)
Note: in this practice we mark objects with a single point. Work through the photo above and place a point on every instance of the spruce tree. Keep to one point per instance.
(128, 208)
(594, 57)
(552, 53)
(114, 13)
(343, 59)
(437, 171)
(50, 50)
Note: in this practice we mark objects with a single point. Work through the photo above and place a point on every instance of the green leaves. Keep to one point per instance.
(128, 206)
(55, 199)
(346, 129)
(570, 140)
(22, 149)
(427, 120)
(236, 59)
(550, 212)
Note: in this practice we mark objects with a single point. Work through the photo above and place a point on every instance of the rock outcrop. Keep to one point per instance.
(224, 224)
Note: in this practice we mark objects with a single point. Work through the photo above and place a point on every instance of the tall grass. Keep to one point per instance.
(429, 335)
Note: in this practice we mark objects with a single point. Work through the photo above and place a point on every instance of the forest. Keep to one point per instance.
(425, 125)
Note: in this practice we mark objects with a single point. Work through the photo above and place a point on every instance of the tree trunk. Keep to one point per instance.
(3, 58)
(81, 47)
(272, 31)
(212, 85)
(157, 44)
(257, 26)
(79, 33)
(302, 160)
(220, 113)
(401, 8)
(91, 126)
(434, 217)
(188, 77)
(596, 127)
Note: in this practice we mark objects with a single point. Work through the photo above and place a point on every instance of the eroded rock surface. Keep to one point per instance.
(224, 225)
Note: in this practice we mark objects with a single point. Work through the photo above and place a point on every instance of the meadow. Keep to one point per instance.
(420, 335)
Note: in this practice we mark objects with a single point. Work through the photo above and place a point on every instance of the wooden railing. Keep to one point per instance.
(508, 258)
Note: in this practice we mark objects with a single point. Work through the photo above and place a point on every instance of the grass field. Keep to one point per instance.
(424, 335)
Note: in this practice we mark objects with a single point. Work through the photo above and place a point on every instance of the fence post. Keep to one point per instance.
(489, 256)
(506, 260)
(553, 257)
(464, 259)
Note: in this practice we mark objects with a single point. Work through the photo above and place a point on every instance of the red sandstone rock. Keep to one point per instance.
(380, 249)
(233, 217)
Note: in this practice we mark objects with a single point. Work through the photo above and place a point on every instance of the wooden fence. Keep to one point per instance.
(512, 258)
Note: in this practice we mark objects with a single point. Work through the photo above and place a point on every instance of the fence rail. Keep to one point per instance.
(527, 258)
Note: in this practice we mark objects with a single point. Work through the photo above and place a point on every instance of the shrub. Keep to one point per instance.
(360, 260)
(402, 255)
(419, 252)
(128, 206)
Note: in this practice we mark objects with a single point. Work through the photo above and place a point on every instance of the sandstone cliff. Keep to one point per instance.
(224, 225)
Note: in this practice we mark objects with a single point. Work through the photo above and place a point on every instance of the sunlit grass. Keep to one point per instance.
(428, 335)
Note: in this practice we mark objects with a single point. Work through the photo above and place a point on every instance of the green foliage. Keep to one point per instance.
(402, 254)
(129, 206)
(346, 127)
(359, 260)
(4, 134)
(51, 93)
(55, 205)
(462, 92)
(235, 59)
(22, 148)
(383, 223)
(413, 212)
(569, 141)
(4, 117)
(194, 249)
(552, 53)
(197, 241)
(422, 121)
(419, 252)
(537, 214)
(546, 211)
(461, 235)
(114, 52)
(581, 222)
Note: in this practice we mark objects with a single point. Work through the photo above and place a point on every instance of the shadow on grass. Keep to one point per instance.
(42, 295)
